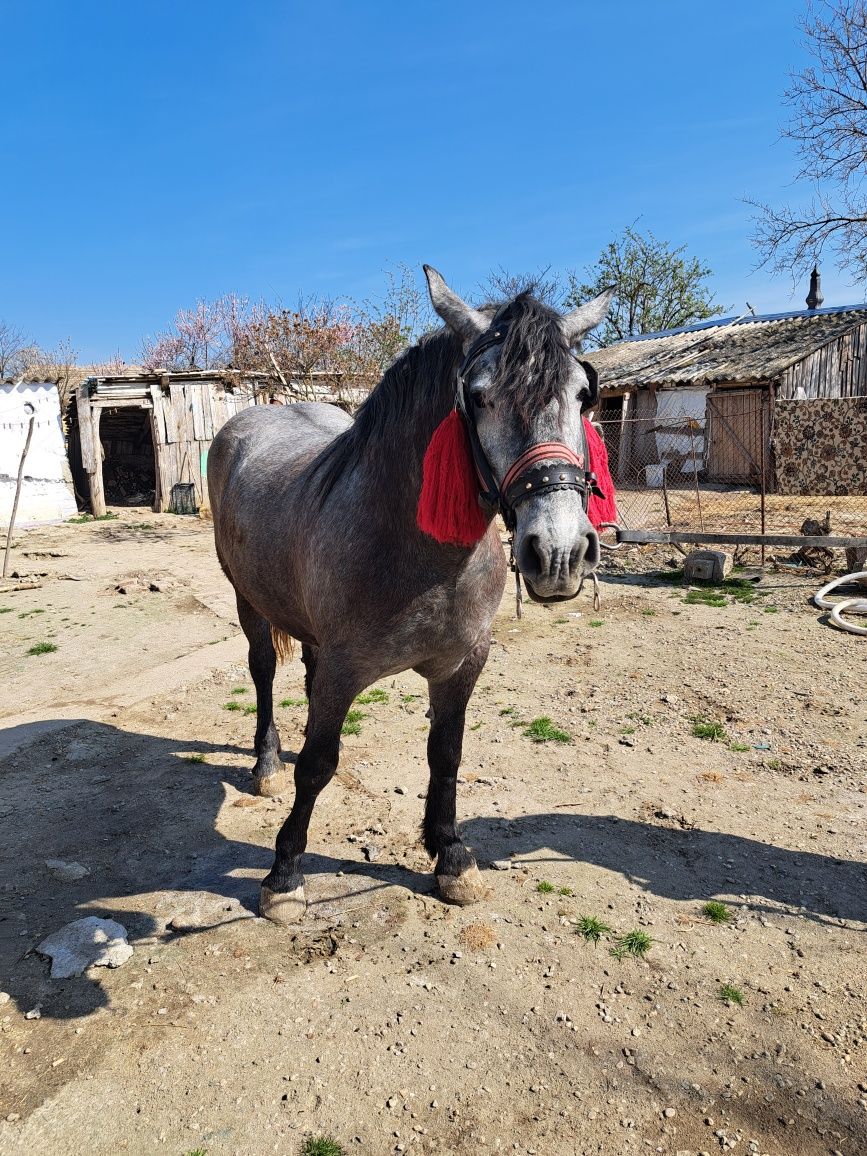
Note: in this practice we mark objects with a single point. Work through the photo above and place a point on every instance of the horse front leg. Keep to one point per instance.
(331, 693)
(457, 875)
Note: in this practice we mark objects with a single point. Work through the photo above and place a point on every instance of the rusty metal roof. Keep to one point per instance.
(732, 349)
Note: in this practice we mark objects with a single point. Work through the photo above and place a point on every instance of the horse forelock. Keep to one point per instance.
(534, 363)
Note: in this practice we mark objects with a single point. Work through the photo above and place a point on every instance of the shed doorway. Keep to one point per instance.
(128, 470)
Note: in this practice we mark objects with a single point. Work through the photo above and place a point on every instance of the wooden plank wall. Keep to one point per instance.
(186, 417)
(838, 369)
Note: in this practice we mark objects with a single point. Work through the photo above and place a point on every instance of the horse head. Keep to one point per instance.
(523, 391)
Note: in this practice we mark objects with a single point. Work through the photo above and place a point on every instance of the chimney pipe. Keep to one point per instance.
(814, 297)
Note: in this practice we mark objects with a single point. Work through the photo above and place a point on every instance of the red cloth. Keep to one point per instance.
(448, 505)
(600, 510)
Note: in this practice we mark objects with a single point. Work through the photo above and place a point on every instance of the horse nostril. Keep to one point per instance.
(593, 552)
(532, 560)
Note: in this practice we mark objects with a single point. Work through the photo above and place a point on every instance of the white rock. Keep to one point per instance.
(66, 872)
(90, 942)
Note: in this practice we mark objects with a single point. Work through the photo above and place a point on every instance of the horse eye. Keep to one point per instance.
(479, 400)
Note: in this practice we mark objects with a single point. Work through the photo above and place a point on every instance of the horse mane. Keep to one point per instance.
(532, 371)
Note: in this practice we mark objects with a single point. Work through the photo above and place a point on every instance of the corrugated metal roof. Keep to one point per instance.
(731, 349)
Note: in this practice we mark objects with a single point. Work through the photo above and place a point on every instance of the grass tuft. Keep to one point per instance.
(705, 598)
(239, 690)
(717, 912)
(592, 929)
(597, 622)
(321, 1146)
(195, 757)
(567, 892)
(293, 702)
(352, 722)
(705, 728)
(730, 994)
(545, 888)
(649, 613)
(542, 730)
(231, 705)
(739, 747)
(377, 694)
(636, 943)
(42, 648)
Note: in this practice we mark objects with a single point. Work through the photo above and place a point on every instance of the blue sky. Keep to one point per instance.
(156, 153)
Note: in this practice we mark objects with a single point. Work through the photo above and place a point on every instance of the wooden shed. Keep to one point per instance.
(144, 439)
(721, 399)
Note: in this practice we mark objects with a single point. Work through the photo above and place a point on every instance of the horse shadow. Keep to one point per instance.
(690, 864)
(142, 813)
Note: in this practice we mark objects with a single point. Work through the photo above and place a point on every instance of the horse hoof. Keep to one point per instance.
(267, 786)
(463, 889)
(283, 907)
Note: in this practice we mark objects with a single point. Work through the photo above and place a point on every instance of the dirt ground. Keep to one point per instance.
(388, 1020)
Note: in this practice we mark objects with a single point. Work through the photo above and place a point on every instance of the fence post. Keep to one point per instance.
(762, 467)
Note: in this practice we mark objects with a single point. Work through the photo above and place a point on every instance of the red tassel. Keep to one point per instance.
(600, 510)
(448, 506)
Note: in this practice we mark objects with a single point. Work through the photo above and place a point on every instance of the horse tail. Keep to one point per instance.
(283, 644)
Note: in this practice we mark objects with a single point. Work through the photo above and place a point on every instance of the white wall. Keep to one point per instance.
(46, 492)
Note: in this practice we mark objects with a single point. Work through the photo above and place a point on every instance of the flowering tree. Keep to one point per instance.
(321, 344)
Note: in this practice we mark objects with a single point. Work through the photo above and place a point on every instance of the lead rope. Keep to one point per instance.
(519, 596)
(597, 597)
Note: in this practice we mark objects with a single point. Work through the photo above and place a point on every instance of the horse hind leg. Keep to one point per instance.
(268, 773)
(331, 693)
(457, 875)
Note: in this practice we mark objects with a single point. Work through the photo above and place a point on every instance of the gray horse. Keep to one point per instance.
(315, 521)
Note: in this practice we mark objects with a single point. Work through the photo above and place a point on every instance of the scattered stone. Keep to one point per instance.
(371, 852)
(89, 942)
(669, 1113)
(35, 1013)
(502, 865)
(66, 872)
(4, 997)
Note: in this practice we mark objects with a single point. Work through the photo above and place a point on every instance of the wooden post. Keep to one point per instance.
(97, 492)
(91, 449)
(32, 411)
(762, 467)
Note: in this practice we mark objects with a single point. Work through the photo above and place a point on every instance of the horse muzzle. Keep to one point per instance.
(555, 553)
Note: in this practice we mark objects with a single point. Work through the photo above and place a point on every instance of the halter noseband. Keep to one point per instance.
(544, 467)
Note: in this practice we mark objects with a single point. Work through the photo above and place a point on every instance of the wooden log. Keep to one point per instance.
(85, 429)
(97, 490)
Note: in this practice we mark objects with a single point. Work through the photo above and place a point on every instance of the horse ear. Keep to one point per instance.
(592, 397)
(586, 316)
(464, 321)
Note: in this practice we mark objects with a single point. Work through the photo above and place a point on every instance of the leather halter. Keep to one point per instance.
(544, 467)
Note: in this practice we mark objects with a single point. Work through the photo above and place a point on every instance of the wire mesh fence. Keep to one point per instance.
(730, 461)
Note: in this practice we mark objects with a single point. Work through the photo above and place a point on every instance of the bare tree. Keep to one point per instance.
(13, 351)
(829, 127)
(501, 285)
(59, 365)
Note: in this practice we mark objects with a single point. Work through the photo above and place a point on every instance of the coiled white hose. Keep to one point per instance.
(845, 605)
